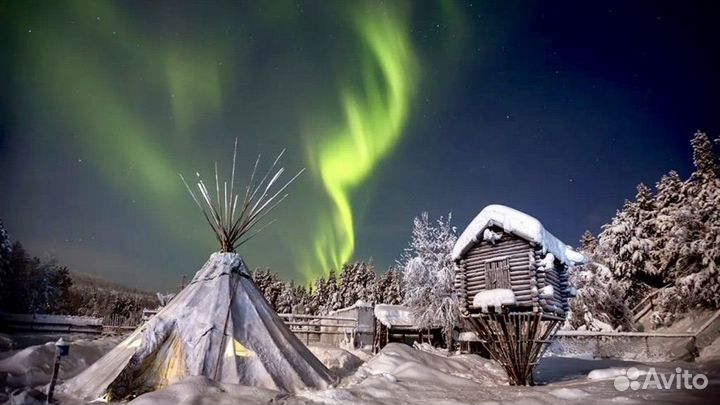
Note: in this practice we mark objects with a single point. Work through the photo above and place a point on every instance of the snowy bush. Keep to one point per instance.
(428, 275)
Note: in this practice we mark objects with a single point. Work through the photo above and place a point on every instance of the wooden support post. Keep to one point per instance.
(516, 341)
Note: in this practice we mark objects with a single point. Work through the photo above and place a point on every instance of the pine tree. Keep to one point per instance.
(332, 292)
(588, 242)
(381, 286)
(269, 284)
(300, 300)
(671, 238)
(5, 255)
(319, 297)
(670, 202)
(613, 239)
(388, 287)
(20, 282)
(696, 233)
(285, 299)
(395, 291)
(599, 297)
(628, 244)
(704, 158)
(356, 283)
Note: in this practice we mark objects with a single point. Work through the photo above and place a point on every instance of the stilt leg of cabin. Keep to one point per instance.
(516, 341)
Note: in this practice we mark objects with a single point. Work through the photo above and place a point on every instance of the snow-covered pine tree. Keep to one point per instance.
(704, 159)
(627, 243)
(672, 238)
(588, 242)
(300, 300)
(286, 298)
(345, 284)
(396, 290)
(261, 278)
(357, 282)
(269, 283)
(319, 296)
(429, 273)
(332, 292)
(600, 300)
(612, 240)
(388, 287)
(670, 203)
(696, 234)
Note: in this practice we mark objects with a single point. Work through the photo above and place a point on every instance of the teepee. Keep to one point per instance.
(220, 325)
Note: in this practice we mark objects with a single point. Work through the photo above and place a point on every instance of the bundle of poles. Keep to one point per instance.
(516, 340)
(232, 223)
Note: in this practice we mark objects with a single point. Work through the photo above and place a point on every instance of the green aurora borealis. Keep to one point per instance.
(374, 119)
(558, 109)
(140, 97)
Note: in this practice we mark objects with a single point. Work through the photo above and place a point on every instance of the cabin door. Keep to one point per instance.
(497, 274)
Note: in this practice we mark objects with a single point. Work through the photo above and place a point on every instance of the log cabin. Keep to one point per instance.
(507, 261)
(512, 285)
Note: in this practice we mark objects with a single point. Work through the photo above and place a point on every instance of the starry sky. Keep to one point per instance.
(558, 109)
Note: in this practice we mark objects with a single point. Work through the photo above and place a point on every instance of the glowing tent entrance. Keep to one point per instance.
(220, 326)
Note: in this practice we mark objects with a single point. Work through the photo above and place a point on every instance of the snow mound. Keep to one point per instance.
(340, 362)
(606, 373)
(32, 366)
(200, 390)
(568, 393)
(517, 223)
(494, 298)
(406, 363)
(400, 374)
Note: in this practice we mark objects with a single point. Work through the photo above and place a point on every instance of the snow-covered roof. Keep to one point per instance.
(517, 223)
(394, 315)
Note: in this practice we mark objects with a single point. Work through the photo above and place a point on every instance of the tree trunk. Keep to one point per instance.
(449, 340)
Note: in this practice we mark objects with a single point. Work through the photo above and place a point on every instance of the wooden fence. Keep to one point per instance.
(38, 323)
(642, 345)
(321, 329)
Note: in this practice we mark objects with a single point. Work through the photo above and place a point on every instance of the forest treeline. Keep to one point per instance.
(31, 285)
(665, 240)
(357, 282)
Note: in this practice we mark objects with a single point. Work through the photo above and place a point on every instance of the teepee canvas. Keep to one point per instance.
(219, 326)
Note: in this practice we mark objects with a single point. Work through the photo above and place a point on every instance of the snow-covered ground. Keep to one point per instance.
(399, 374)
(403, 375)
(32, 366)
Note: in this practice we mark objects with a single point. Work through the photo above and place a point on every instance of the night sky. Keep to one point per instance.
(558, 109)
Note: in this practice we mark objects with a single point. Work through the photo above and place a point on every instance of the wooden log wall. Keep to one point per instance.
(470, 278)
(461, 288)
(557, 277)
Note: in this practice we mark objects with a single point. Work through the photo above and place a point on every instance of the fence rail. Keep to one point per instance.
(314, 327)
(658, 345)
(50, 323)
(35, 323)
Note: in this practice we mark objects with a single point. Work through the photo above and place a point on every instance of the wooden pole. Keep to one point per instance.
(61, 349)
(53, 380)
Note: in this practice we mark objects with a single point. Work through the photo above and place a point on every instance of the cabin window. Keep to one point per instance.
(497, 274)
